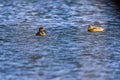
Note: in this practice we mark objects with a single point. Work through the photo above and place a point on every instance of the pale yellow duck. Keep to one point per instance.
(41, 32)
(95, 28)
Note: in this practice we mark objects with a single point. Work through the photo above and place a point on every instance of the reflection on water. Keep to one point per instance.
(68, 52)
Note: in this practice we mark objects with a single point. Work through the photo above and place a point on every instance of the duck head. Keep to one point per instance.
(41, 29)
(90, 26)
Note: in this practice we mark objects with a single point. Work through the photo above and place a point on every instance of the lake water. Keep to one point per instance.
(68, 52)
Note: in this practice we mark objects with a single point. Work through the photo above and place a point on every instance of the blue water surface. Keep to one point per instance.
(68, 52)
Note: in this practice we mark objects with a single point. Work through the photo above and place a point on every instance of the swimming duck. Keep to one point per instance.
(95, 28)
(41, 32)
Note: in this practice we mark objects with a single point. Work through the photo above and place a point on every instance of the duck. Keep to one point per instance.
(95, 28)
(41, 32)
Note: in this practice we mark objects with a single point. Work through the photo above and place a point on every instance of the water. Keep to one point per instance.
(68, 52)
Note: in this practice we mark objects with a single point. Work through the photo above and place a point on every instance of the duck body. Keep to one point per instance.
(41, 32)
(95, 28)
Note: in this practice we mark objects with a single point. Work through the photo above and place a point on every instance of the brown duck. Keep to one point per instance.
(95, 28)
(41, 32)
